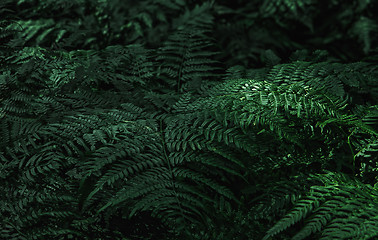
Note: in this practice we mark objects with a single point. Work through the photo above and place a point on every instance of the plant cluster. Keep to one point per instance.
(172, 119)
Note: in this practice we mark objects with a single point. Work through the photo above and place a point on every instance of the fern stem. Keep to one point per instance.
(170, 170)
(351, 149)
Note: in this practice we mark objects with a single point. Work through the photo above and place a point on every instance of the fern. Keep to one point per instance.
(188, 61)
(270, 8)
(363, 28)
(117, 120)
(325, 207)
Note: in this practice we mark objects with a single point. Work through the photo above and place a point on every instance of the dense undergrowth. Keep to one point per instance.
(171, 119)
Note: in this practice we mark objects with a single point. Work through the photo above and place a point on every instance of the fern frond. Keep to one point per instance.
(363, 28)
(189, 60)
(271, 7)
(328, 205)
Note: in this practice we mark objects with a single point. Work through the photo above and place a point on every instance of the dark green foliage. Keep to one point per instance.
(171, 119)
(336, 208)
